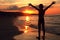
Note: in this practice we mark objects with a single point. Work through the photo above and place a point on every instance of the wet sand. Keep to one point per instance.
(31, 35)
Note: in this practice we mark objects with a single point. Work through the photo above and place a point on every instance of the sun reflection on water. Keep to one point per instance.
(27, 27)
(27, 18)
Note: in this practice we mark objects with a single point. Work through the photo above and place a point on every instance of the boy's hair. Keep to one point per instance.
(41, 6)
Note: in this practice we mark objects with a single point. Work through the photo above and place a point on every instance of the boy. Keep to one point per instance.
(41, 22)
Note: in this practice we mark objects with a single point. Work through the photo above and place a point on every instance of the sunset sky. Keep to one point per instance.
(6, 4)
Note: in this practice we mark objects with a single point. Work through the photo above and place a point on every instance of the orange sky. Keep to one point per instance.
(4, 4)
(53, 11)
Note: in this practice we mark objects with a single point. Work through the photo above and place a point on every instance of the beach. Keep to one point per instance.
(52, 27)
(9, 31)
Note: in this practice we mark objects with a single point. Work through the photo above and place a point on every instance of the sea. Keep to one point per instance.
(29, 24)
(52, 23)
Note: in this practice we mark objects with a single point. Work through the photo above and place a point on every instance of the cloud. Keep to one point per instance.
(9, 1)
(9, 7)
(59, 1)
(12, 7)
(21, 3)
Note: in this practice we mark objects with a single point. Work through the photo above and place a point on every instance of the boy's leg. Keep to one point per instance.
(39, 31)
(43, 29)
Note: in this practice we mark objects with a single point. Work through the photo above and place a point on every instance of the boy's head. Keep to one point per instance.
(41, 6)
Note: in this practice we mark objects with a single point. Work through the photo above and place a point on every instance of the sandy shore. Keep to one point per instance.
(31, 35)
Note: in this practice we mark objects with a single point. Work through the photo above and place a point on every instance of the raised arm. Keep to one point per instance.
(33, 6)
(49, 5)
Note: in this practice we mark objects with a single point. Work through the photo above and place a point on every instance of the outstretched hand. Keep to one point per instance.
(53, 2)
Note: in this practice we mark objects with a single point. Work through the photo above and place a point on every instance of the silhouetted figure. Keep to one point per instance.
(41, 23)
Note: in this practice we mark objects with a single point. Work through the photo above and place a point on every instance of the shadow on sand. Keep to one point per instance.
(7, 29)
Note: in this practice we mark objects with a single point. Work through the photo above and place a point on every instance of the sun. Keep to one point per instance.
(28, 11)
